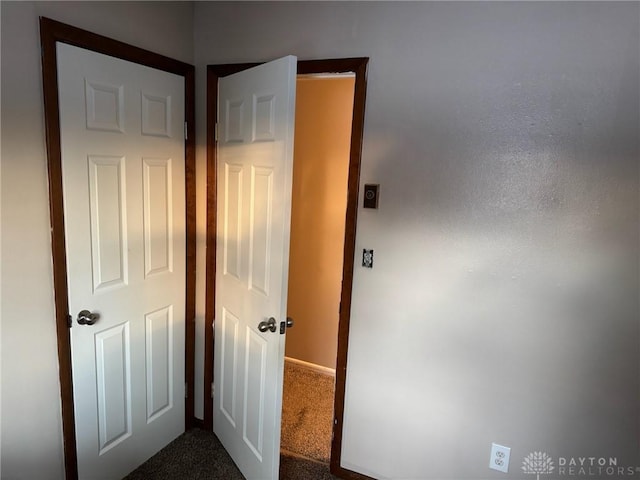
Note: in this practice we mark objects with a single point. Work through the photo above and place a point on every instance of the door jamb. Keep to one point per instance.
(340, 65)
(51, 32)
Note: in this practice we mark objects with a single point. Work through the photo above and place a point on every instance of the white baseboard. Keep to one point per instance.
(312, 366)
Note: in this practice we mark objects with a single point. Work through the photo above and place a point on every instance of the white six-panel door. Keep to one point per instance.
(122, 133)
(255, 161)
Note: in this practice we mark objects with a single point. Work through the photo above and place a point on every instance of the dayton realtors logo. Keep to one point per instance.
(593, 466)
(541, 463)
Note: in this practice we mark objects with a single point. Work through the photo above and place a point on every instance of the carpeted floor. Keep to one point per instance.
(199, 455)
(307, 412)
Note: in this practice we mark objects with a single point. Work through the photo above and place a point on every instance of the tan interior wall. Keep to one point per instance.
(324, 108)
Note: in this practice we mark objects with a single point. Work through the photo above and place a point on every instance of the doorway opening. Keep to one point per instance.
(324, 111)
(358, 68)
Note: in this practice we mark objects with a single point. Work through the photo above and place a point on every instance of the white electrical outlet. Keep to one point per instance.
(499, 459)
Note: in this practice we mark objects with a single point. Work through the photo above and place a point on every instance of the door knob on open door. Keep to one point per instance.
(268, 325)
(85, 317)
(289, 322)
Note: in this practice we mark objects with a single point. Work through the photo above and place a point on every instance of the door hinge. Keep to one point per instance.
(213, 389)
(186, 390)
(186, 134)
(215, 132)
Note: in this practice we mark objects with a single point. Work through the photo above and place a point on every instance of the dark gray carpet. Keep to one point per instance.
(199, 455)
(307, 412)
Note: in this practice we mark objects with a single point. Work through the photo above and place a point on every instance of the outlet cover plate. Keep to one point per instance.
(499, 459)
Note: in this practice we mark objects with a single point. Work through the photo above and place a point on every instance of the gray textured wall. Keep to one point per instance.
(503, 304)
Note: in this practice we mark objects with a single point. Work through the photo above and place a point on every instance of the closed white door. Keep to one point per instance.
(255, 163)
(122, 133)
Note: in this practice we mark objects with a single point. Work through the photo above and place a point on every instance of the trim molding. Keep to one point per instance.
(331, 372)
(52, 32)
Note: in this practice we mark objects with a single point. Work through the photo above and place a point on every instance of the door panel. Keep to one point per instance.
(255, 160)
(159, 371)
(108, 221)
(114, 386)
(229, 341)
(123, 186)
(158, 218)
(232, 230)
(260, 228)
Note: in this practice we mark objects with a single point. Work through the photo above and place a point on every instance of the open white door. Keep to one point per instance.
(122, 134)
(255, 163)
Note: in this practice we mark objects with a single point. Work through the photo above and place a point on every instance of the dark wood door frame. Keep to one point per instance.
(341, 65)
(52, 32)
